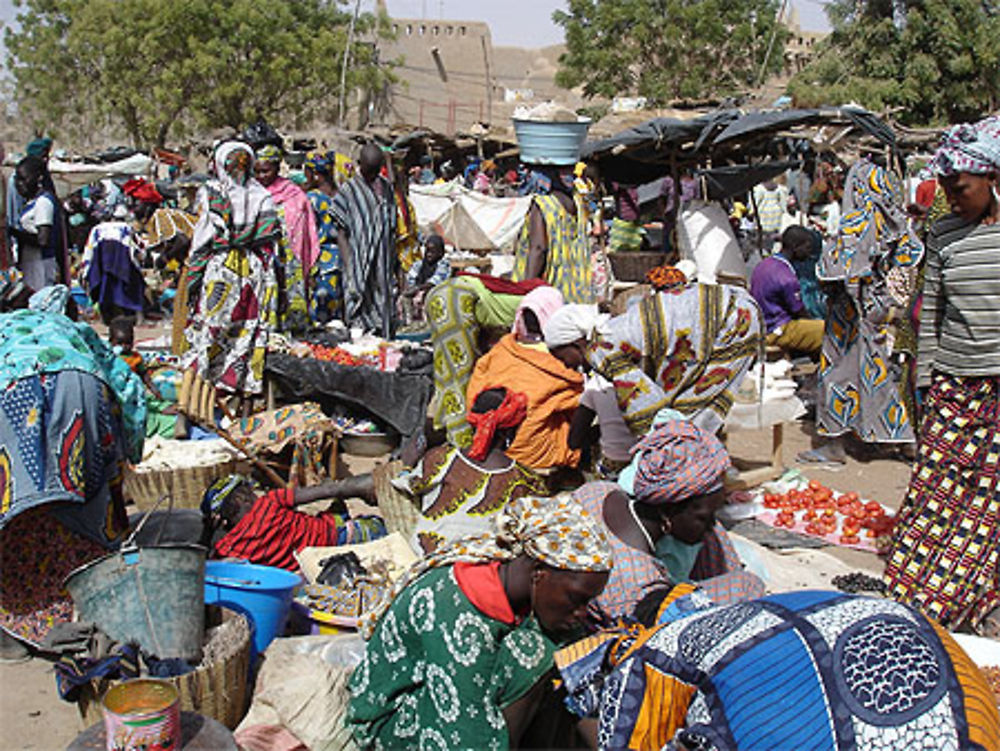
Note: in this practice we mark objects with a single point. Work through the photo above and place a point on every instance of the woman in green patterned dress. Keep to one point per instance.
(456, 660)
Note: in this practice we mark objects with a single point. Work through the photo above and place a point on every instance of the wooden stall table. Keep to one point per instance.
(772, 413)
(198, 733)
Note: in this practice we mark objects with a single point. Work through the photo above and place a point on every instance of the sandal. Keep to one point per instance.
(816, 457)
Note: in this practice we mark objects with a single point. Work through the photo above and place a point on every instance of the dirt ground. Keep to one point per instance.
(33, 717)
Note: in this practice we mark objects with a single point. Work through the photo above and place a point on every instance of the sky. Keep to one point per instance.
(528, 23)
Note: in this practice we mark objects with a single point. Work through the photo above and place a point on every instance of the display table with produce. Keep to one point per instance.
(398, 397)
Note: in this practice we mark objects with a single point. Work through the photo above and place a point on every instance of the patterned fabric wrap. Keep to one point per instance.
(304, 426)
(453, 310)
(231, 276)
(554, 531)
(677, 461)
(509, 414)
(625, 236)
(327, 290)
(688, 349)
(51, 299)
(458, 498)
(220, 490)
(37, 552)
(110, 269)
(808, 669)
(969, 147)
(945, 557)
(34, 343)
(438, 673)
(859, 385)
(270, 154)
(320, 162)
(297, 250)
(717, 571)
(11, 284)
(567, 265)
(62, 439)
(367, 214)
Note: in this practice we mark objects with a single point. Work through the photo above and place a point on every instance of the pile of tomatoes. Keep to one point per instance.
(824, 515)
(336, 355)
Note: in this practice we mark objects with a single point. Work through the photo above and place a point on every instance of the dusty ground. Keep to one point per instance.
(33, 717)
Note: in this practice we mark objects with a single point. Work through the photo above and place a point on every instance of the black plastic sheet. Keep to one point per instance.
(399, 399)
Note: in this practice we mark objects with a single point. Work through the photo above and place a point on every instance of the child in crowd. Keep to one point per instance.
(424, 275)
(161, 415)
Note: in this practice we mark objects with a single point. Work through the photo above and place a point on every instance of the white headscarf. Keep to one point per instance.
(572, 322)
(247, 196)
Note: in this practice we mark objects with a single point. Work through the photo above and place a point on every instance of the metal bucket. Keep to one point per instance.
(154, 596)
(141, 715)
(550, 143)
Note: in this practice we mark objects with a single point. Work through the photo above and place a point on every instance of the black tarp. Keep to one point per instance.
(648, 151)
(737, 179)
(399, 399)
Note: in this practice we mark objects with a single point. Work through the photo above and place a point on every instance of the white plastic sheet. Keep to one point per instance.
(468, 219)
(705, 236)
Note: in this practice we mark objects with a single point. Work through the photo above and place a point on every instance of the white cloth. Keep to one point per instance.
(246, 199)
(571, 322)
(40, 212)
(705, 236)
(616, 439)
(38, 272)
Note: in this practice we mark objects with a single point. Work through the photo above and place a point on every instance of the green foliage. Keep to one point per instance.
(942, 66)
(161, 69)
(668, 49)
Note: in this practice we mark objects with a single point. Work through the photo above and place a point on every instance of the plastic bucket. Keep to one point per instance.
(154, 596)
(262, 593)
(550, 143)
(142, 714)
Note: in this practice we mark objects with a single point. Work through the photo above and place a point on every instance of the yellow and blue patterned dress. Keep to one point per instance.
(568, 264)
(328, 293)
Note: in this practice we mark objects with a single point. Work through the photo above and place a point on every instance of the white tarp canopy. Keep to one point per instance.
(68, 176)
(467, 219)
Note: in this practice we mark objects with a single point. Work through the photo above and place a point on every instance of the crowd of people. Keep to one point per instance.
(569, 476)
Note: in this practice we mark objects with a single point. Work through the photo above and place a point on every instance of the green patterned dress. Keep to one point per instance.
(438, 673)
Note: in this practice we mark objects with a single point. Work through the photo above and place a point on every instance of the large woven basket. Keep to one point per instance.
(186, 485)
(218, 688)
(629, 266)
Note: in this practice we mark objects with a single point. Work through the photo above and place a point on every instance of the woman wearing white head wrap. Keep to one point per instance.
(946, 547)
(232, 286)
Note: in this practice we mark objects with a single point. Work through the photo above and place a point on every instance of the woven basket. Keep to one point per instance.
(629, 266)
(219, 687)
(398, 510)
(186, 485)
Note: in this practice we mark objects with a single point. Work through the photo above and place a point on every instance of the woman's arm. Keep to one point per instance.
(580, 427)
(538, 244)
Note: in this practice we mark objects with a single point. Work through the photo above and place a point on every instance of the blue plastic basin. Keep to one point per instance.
(262, 593)
(550, 143)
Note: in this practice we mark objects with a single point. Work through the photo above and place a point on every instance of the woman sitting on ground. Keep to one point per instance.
(806, 669)
(269, 530)
(458, 659)
(660, 520)
(459, 490)
(548, 374)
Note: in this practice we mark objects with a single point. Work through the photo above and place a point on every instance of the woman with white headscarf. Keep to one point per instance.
(946, 549)
(231, 280)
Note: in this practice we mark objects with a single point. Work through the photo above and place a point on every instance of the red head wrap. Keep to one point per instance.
(509, 414)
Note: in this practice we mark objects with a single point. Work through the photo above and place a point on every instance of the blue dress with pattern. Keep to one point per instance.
(327, 299)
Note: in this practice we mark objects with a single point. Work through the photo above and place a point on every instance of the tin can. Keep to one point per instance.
(143, 714)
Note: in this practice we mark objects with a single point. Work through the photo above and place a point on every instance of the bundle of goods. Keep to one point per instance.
(815, 510)
(180, 469)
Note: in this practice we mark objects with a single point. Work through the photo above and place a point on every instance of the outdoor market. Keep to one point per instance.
(683, 437)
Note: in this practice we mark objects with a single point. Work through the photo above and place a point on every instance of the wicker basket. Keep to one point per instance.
(186, 485)
(219, 687)
(631, 266)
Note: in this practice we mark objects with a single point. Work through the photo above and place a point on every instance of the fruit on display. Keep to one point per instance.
(844, 517)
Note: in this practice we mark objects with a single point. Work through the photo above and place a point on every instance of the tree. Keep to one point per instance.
(666, 49)
(935, 61)
(160, 69)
